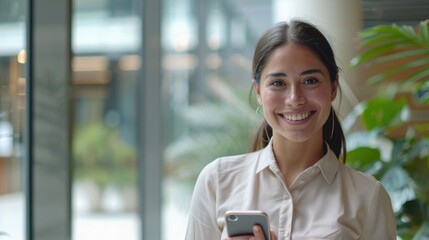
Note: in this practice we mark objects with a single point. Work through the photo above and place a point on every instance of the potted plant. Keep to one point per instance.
(392, 147)
(103, 159)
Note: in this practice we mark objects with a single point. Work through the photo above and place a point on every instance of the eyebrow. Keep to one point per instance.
(276, 74)
(282, 74)
(311, 71)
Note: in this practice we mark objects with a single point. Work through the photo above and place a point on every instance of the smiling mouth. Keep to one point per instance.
(297, 117)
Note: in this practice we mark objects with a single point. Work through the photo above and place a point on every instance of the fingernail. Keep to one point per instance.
(256, 228)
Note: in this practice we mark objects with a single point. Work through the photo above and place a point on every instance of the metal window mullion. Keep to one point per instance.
(48, 120)
(149, 114)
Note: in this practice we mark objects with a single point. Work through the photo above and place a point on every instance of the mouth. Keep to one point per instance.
(297, 117)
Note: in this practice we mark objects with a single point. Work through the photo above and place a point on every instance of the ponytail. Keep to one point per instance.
(333, 134)
(262, 137)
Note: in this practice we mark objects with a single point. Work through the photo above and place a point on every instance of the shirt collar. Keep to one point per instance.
(328, 164)
(266, 157)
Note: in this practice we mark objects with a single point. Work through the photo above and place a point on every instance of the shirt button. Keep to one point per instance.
(287, 234)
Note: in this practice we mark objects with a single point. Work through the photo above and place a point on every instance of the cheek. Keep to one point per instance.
(322, 97)
(270, 99)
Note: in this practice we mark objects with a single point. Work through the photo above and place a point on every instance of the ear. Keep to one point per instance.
(335, 85)
(257, 90)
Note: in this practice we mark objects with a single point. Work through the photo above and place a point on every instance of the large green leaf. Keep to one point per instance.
(382, 113)
(363, 158)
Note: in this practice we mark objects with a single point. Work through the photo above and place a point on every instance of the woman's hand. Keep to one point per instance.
(257, 235)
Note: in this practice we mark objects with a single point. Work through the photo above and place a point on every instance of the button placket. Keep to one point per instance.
(286, 216)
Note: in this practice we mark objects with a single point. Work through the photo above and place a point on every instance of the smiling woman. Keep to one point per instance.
(314, 47)
(294, 173)
(296, 94)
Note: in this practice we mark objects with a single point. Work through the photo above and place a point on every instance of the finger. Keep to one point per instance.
(239, 238)
(273, 235)
(257, 231)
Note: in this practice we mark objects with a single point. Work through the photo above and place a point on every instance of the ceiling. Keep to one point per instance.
(258, 13)
(394, 11)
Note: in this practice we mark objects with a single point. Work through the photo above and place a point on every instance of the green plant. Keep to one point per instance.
(404, 51)
(398, 158)
(101, 156)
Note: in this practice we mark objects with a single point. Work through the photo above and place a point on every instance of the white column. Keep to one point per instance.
(340, 21)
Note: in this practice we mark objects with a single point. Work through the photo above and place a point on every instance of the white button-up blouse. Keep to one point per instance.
(328, 200)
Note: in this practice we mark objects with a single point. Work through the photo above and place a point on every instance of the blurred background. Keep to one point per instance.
(109, 109)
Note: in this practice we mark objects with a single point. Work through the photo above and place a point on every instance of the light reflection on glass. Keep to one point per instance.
(106, 38)
(12, 118)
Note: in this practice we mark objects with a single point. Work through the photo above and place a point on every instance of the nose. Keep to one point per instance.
(295, 96)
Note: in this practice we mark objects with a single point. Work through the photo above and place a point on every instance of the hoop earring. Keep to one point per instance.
(266, 133)
(257, 109)
(333, 123)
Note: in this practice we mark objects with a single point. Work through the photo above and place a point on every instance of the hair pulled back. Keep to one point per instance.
(307, 35)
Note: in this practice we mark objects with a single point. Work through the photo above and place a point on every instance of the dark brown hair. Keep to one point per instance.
(307, 35)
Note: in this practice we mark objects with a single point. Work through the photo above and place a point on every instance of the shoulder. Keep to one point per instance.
(358, 177)
(367, 188)
(363, 186)
(230, 164)
(379, 219)
(221, 173)
(238, 162)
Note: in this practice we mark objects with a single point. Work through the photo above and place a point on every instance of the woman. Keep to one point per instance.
(294, 173)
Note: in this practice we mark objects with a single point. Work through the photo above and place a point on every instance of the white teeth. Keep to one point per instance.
(297, 117)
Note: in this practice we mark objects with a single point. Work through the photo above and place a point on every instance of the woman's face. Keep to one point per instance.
(295, 92)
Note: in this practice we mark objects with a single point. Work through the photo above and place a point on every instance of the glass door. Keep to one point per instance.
(12, 119)
(105, 63)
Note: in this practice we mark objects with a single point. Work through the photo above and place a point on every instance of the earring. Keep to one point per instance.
(333, 123)
(267, 140)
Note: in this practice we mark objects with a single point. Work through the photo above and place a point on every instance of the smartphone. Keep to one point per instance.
(241, 222)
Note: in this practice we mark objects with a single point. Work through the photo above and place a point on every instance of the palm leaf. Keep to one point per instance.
(424, 31)
(404, 48)
(376, 51)
(416, 53)
(419, 75)
(396, 69)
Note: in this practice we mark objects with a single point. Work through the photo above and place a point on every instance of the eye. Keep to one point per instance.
(311, 81)
(278, 83)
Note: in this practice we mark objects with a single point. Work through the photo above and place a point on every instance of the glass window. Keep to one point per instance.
(12, 119)
(106, 39)
(207, 78)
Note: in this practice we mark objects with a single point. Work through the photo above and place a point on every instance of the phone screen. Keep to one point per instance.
(240, 223)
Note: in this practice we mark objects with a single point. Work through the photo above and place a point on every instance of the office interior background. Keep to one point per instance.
(110, 108)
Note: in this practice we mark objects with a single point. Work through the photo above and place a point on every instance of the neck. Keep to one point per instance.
(294, 157)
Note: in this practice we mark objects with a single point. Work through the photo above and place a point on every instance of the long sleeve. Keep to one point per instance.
(202, 222)
(380, 222)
